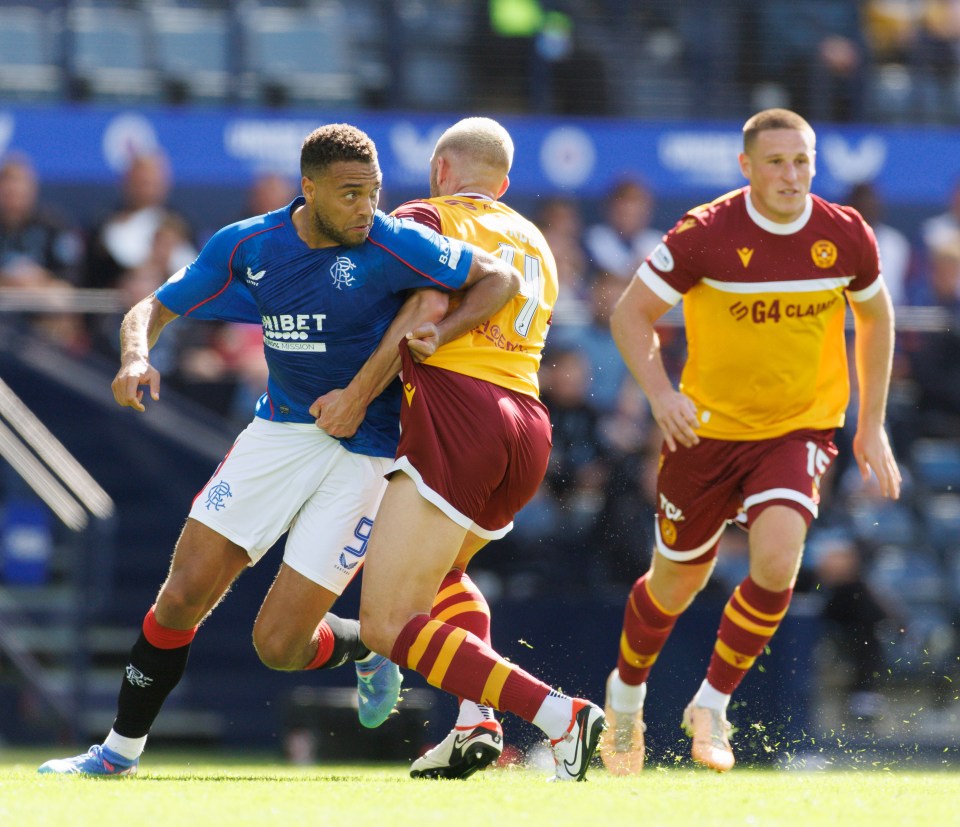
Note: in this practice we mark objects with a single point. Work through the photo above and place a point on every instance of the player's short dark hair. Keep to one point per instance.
(773, 119)
(335, 142)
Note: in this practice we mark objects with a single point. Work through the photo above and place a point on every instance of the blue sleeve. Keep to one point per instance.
(207, 288)
(431, 259)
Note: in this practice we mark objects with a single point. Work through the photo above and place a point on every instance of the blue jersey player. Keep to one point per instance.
(333, 282)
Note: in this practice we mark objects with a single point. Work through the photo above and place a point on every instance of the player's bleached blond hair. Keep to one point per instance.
(774, 119)
(483, 140)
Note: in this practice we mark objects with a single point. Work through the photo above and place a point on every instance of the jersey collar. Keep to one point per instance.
(476, 195)
(772, 226)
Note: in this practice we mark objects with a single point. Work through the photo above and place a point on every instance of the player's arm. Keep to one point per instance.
(490, 284)
(139, 331)
(341, 411)
(874, 336)
(632, 325)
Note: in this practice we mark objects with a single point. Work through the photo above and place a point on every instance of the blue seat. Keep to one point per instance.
(936, 464)
(29, 67)
(108, 53)
(192, 52)
(878, 522)
(941, 518)
(298, 56)
(435, 69)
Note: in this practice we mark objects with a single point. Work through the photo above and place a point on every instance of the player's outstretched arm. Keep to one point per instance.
(139, 331)
(874, 326)
(340, 412)
(632, 325)
(490, 284)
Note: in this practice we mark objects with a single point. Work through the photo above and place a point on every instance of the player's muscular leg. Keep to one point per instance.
(412, 546)
(285, 632)
(204, 565)
(776, 545)
(675, 585)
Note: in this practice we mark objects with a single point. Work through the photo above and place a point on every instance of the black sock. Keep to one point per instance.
(151, 675)
(347, 645)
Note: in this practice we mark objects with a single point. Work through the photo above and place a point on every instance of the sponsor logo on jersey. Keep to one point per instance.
(217, 495)
(253, 278)
(745, 254)
(824, 253)
(450, 255)
(341, 270)
(408, 392)
(662, 258)
(291, 331)
(670, 510)
(492, 333)
(762, 311)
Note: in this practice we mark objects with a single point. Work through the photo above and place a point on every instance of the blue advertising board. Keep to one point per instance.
(574, 156)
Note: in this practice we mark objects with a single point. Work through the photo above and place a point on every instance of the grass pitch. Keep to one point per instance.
(200, 789)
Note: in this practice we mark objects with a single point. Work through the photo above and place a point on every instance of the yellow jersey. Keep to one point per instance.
(764, 309)
(505, 349)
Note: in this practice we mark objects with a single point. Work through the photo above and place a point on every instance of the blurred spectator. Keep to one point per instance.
(941, 228)
(36, 247)
(561, 223)
(623, 539)
(38, 251)
(506, 34)
(854, 616)
(576, 476)
(123, 240)
(935, 58)
(939, 286)
(935, 355)
(817, 51)
(135, 283)
(625, 238)
(895, 250)
(607, 370)
(270, 191)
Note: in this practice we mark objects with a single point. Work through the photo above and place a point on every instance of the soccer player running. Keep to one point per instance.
(326, 276)
(474, 446)
(763, 272)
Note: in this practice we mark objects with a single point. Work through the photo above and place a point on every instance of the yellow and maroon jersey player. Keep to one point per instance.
(773, 294)
(506, 349)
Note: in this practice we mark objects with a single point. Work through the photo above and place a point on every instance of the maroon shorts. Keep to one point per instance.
(475, 450)
(700, 489)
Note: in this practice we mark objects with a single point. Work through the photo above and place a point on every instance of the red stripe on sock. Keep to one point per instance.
(163, 637)
(325, 641)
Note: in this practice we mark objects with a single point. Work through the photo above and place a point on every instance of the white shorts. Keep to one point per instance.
(281, 476)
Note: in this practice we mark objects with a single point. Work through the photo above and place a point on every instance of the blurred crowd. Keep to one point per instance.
(838, 60)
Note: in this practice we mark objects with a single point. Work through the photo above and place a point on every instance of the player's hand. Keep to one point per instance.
(128, 381)
(676, 415)
(871, 449)
(423, 341)
(339, 413)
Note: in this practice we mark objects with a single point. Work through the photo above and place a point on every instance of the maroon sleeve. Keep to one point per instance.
(421, 212)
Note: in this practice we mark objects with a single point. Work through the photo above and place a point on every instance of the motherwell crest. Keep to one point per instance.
(824, 253)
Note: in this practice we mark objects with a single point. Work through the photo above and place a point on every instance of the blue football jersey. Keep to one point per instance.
(323, 311)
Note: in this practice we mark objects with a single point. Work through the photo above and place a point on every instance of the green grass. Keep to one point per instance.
(200, 789)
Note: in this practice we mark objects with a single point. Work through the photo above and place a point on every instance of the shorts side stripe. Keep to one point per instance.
(781, 494)
(683, 556)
